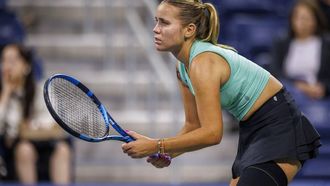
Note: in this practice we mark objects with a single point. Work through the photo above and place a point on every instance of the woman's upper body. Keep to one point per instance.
(22, 110)
(309, 72)
(244, 84)
(303, 56)
(207, 70)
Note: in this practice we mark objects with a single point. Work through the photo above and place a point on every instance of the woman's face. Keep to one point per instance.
(303, 21)
(13, 65)
(168, 32)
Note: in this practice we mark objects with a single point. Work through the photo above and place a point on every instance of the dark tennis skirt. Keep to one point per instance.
(278, 130)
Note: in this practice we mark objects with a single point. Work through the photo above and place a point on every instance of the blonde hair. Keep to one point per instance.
(203, 15)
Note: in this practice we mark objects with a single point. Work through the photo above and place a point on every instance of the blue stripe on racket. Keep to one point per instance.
(78, 111)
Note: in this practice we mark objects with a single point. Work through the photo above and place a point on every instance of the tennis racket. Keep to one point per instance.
(78, 111)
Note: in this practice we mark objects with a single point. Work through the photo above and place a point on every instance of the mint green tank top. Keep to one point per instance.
(245, 84)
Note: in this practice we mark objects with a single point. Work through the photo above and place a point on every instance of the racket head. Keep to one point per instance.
(78, 111)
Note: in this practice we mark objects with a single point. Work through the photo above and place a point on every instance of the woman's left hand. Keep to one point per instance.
(314, 91)
(142, 147)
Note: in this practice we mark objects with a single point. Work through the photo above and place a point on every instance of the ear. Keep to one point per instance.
(189, 31)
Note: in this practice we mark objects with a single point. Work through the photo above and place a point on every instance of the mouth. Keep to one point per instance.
(157, 41)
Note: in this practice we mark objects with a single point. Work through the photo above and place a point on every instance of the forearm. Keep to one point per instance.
(326, 84)
(188, 127)
(191, 141)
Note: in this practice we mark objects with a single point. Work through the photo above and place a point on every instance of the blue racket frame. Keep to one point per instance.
(124, 137)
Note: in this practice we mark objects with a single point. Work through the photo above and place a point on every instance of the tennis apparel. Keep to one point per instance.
(276, 131)
(246, 82)
(268, 174)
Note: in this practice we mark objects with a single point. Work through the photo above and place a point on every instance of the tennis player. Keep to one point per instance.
(275, 138)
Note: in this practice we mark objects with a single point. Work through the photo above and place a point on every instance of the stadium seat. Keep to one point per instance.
(252, 35)
(318, 168)
(248, 6)
(11, 29)
(3, 4)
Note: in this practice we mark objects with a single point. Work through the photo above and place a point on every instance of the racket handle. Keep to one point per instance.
(128, 139)
(158, 156)
(155, 155)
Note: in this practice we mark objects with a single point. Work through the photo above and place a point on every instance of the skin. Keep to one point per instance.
(304, 26)
(14, 71)
(203, 125)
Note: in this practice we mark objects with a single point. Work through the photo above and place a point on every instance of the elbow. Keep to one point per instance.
(214, 138)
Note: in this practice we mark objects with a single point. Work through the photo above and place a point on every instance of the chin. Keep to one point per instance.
(161, 49)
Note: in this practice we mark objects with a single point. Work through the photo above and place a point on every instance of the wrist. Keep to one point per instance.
(161, 146)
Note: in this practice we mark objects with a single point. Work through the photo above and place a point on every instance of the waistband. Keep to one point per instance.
(278, 98)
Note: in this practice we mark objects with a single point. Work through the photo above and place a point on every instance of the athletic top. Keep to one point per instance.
(246, 82)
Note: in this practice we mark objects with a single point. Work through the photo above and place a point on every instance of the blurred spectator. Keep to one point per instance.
(303, 57)
(25, 124)
(325, 6)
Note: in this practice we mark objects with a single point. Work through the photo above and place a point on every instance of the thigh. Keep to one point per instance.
(268, 173)
(233, 182)
(289, 167)
(25, 151)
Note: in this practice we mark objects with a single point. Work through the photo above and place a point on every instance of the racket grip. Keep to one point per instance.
(128, 139)
(154, 155)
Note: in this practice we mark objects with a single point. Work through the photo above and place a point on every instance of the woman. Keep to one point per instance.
(303, 58)
(25, 125)
(213, 77)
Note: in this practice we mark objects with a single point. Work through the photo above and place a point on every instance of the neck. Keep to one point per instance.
(183, 53)
(303, 37)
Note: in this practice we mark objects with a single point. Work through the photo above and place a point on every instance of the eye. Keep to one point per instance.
(163, 22)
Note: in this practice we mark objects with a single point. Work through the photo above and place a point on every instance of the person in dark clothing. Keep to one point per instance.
(302, 58)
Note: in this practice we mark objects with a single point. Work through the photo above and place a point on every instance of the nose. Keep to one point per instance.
(156, 29)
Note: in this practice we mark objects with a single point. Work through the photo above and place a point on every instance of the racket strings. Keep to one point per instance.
(76, 109)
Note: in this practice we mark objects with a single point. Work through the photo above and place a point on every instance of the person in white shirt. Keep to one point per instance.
(25, 124)
(303, 57)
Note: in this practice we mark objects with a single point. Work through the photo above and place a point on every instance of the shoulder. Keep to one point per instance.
(207, 66)
(207, 59)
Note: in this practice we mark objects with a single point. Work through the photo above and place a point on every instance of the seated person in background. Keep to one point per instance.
(26, 125)
(303, 58)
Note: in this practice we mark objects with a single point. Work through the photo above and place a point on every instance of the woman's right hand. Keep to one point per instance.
(160, 161)
(9, 82)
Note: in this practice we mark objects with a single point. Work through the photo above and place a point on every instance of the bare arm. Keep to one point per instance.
(191, 116)
(203, 125)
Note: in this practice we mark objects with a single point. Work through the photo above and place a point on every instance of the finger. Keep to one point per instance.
(152, 159)
(135, 135)
(165, 160)
(126, 148)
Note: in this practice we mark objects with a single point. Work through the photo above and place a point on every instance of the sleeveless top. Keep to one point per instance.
(245, 84)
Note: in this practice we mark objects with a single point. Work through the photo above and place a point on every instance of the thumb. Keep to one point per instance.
(134, 134)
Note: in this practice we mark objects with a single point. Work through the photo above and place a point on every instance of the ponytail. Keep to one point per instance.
(213, 24)
(203, 15)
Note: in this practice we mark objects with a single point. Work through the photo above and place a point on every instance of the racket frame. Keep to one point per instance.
(124, 137)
